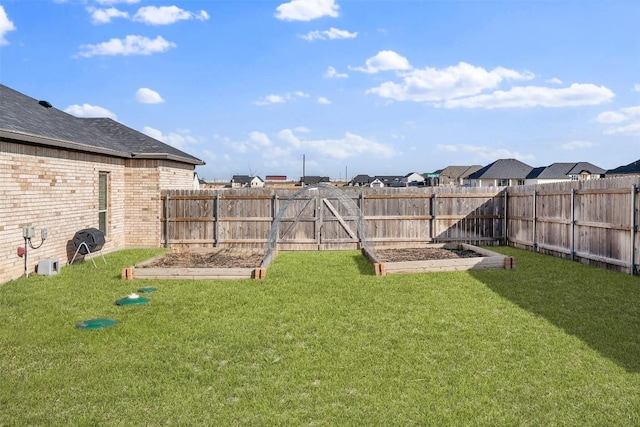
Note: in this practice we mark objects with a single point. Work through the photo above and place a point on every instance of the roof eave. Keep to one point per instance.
(21, 137)
(167, 156)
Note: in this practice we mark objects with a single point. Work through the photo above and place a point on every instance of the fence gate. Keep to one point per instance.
(317, 219)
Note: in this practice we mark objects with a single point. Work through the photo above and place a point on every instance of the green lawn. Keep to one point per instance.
(322, 341)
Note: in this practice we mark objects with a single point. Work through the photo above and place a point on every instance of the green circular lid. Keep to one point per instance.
(96, 324)
(132, 300)
(147, 289)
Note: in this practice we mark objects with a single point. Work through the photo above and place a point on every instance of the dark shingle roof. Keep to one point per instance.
(314, 179)
(22, 118)
(631, 168)
(241, 179)
(564, 170)
(361, 179)
(503, 169)
(457, 172)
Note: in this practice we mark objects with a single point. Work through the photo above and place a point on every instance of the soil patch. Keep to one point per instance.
(223, 258)
(420, 254)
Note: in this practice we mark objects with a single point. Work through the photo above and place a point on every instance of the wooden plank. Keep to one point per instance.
(246, 219)
(467, 195)
(339, 218)
(399, 217)
(603, 225)
(398, 196)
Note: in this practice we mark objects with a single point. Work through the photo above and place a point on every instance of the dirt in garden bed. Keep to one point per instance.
(224, 258)
(421, 254)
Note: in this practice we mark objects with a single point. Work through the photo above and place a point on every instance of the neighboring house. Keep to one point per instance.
(275, 178)
(197, 181)
(391, 180)
(246, 181)
(66, 173)
(454, 176)
(632, 168)
(312, 180)
(413, 178)
(376, 183)
(559, 172)
(503, 172)
(361, 181)
(432, 179)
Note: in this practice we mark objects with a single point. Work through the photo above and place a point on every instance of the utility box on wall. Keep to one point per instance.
(48, 267)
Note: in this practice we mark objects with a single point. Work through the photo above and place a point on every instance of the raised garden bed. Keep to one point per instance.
(436, 257)
(201, 263)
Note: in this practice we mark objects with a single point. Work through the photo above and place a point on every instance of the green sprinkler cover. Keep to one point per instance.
(96, 324)
(147, 289)
(132, 299)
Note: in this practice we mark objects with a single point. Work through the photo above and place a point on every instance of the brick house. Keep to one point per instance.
(65, 173)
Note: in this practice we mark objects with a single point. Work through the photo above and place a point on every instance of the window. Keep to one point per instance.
(503, 183)
(103, 201)
(520, 182)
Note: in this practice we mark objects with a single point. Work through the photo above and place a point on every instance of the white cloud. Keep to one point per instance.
(576, 145)
(178, 139)
(385, 60)
(104, 16)
(6, 25)
(636, 87)
(271, 99)
(628, 114)
(537, 96)
(147, 96)
(331, 73)
(555, 81)
(485, 153)
(110, 2)
(330, 34)
(434, 85)
(259, 142)
(165, 15)
(280, 99)
(630, 129)
(350, 145)
(130, 45)
(324, 101)
(88, 110)
(611, 117)
(307, 10)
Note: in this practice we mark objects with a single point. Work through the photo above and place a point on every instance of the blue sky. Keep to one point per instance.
(356, 86)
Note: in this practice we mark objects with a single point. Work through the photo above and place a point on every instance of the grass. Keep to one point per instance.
(322, 341)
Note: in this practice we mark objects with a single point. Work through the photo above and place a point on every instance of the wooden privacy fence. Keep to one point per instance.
(315, 220)
(594, 222)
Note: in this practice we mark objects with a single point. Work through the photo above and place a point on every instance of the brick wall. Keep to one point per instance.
(58, 190)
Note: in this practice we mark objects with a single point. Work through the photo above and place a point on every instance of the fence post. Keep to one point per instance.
(534, 244)
(634, 229)
(217, 227)
(434, 213)
(573, 224)
(166, 221)
(274, 213)
(505, 227)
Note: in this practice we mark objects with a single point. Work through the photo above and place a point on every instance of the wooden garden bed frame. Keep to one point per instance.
(489, 259)
(140, 271)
